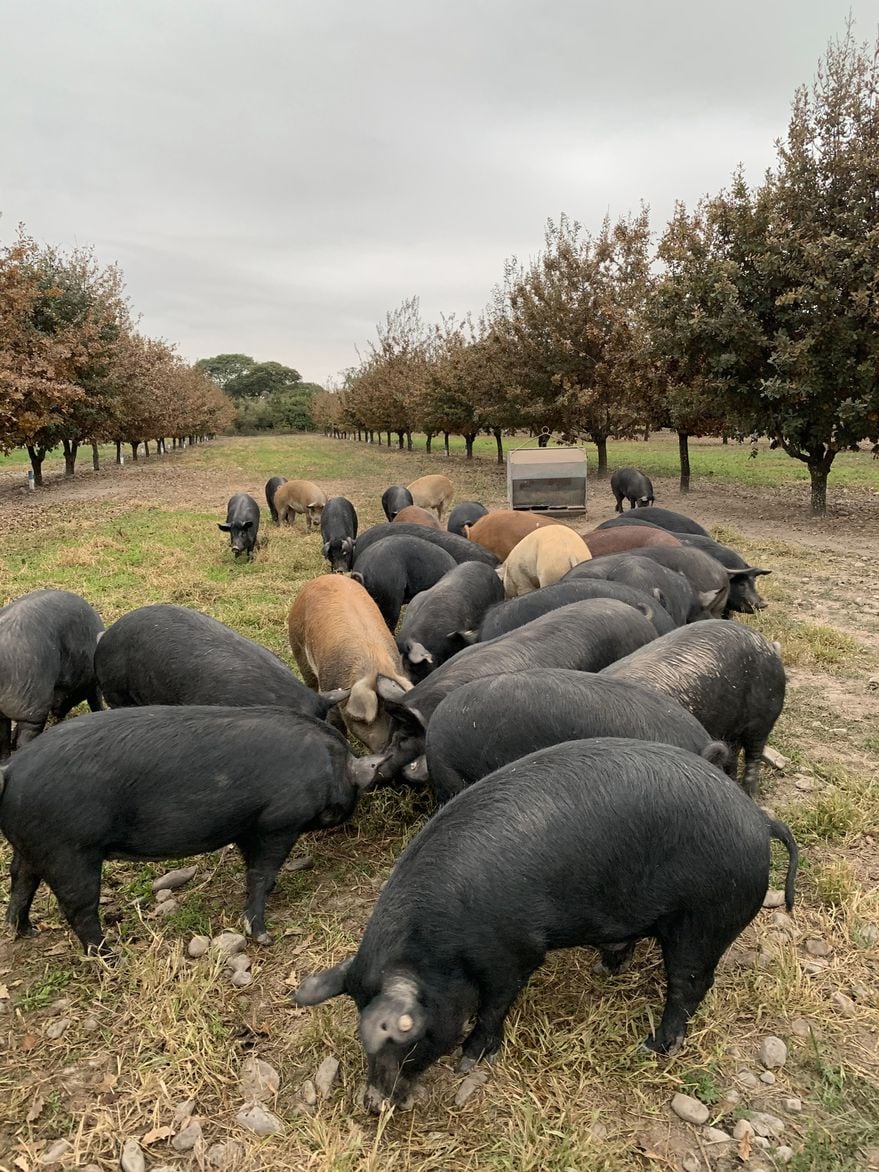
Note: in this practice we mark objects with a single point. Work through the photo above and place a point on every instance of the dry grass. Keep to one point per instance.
(572, 1088)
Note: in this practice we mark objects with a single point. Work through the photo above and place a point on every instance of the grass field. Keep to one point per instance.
(572, 1088)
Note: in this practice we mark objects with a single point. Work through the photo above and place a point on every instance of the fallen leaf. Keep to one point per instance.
(21, 1162)
(156, 1134)
(29, 1041)
(36, 1107)
(4, 993)
(745, 1147)
(108, 1082)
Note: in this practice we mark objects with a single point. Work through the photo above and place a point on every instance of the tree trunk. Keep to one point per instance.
(389, 438)
(446, 440)
(646, 435)
(134, 449)
(724, 439)
(408, 441)
(37, 456)
(96, 459)
(118, 451)
(600, 442)
(173, 443)
(819, 471)
(684, 453)
(469, 437)
(400, 440)
(499, 440)
(428, 440)
(146, 449)
(70, 448)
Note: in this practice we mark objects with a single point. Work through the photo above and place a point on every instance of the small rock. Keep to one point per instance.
(746, 1079)
(198, 946)
(259, 1080)
(186, 1139)
(731, 1098)
(716, 1135)
(772, 1053)
(90, 1024)
(760, 1141)
(793, 1106)
(132, 1159)
(325, 1076)
(56, 1028)
(784, 1154)
(818, 948)
(870, 934)
(167, 907)
(162, 894)
(774, 899)
(742, 1129)
(768, 1077)
(60, 1006)
(803, 783)
(873, 682)
(774, 758)
(224, 1155)
(240, 979)
(767, 1125)
(691, 1163)
(841, 1004)
(689, 1109)
(171, 880)
(308, 1093)
(183, 1111)
(814, 968)
(256, 1119)
(860, 991)
(597, 1132)
(239, 963)
(801, 1027)
(229, 943)
(303, 863)
(56, 1152)
(471, 1084)
(783, 920)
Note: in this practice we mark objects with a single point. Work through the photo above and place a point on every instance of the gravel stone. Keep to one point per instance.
(794, 1106)
(171, 880)
(198, 946)
(167, 907)
(817, 947)
(185, 1140)
(765, 1124)
(229, 943)
(259, 1080)
(132, 1159)
(690, 1109)
(256, 1119)
(772, 1053)
(768, 1077)
(742, 1129)
(224, 1155)
(841, 1003)
(715, 1135)
(57, 1151)
(784, 1154)
(308, 1093)
(325, 1076)
(691, 1163)
(163, 894)
(747, 1079)
(242, 978)
(239, 963)
(774, 899)
(183, 1111)
(57, 1027)
(471, 1084)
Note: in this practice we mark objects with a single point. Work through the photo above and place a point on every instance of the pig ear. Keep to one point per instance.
(225, 528)
(357, 577)
(645, 610)
(418, 653)
(756, 573)
(389, 690)
(323, 986)
(363, 702)
(706, 597)
(331, 699)
(394, 1016)
(464, 638)
(247, 524)
(326, 548)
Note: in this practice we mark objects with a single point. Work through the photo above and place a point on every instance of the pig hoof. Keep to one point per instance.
(25, 930)
(466, 1065)
(264, 938)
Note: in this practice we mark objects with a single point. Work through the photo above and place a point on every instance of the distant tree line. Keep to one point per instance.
(267, 395)
(756, 313)
(74, 370)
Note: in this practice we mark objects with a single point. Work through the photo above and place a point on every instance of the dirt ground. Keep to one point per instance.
(825, 612)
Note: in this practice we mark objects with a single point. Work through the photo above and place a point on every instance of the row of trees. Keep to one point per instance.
(74, 370)
(756, 313)
(268, 396)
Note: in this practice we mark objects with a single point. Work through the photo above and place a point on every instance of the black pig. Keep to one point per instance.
(166, 654)
(460, 548)
(47, 662)
(632, 485)
(598, 843)
(675, 594)
(242, 524)
(96, 788)
(466, 513)
(394, 499)
(675, 523)
(395, 569)
(272, 487)
(338, 528)
(515, 612)
(440, 622)
(743, 595)
(709, 579)
(727, 675)
(481, 726)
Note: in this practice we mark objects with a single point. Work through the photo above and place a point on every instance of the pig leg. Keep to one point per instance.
(5, 739)
(94, 699)
(25, 881)
(753, 751)
(264, 855)
(496, 996)
(615, 959)
(28, 730)
(76, 883)
(690, 960)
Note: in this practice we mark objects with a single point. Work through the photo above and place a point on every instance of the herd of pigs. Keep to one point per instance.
(578, 706)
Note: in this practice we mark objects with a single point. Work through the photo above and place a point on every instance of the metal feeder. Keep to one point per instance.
(549, 480)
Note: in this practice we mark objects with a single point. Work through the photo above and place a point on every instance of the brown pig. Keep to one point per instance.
(622, 538)
(432, 492)
(417, 516)
(542, 558)
(501, 530)
(337, 632)
(300, 496)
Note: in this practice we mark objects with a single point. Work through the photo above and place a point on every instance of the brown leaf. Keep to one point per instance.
(29, 1041)
(745, 1146)
(4, 993)
(156, 1134)
(35, 1109)
(21, 1163)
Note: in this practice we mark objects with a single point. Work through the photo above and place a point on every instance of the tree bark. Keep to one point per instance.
(724, 439)
(446, 440)
(428, 439)
(600, 442)
(408, 441)
(146, 449)
(646, 435)
(469, 437)
(96, 459)
(70, 448)
(37, 456)
(134, 445)
(499, 440)
(400, 435)
(118, 451)
(684, 453)
(819, 470)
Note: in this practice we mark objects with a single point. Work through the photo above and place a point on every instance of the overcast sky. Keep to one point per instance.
(273, 175)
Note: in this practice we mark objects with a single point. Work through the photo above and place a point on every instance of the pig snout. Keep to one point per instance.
(362, 770)
(417, 770)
